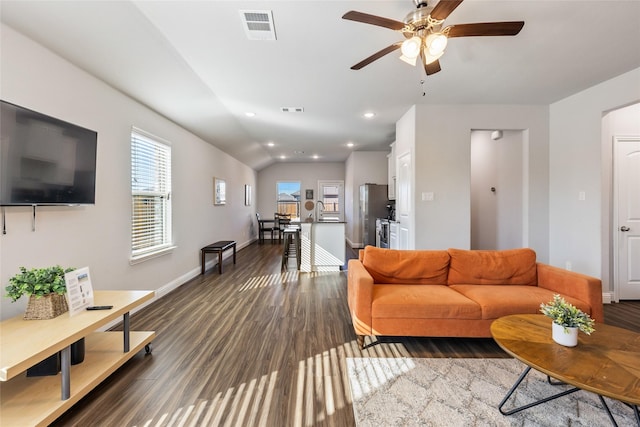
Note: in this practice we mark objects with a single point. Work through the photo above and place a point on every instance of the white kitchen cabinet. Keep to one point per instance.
(393, 235)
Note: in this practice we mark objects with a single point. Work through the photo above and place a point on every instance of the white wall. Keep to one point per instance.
(576, 159)
(496, 215)
(362, 167)
(98, 236)
(307, 173)
(442, 166)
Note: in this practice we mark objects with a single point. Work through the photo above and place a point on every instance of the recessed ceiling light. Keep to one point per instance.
(270, 144)
(283, 157)
(315, 156)
(250, 114)
(350, 144)
(369, 115)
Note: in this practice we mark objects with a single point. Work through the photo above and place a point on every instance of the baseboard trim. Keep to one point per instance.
(607, 297)
(354, 245)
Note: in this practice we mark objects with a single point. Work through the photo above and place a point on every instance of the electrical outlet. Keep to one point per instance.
(567, 265)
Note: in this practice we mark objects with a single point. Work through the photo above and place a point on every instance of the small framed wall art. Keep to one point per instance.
(219, 191)
(308, 194)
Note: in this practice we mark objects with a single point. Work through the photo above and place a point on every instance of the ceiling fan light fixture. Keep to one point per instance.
(436, 43)
(429, 58)
(410, 61)
(411, 47)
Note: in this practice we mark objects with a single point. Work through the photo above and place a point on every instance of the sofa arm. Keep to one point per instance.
(585, 288)
(360, 296)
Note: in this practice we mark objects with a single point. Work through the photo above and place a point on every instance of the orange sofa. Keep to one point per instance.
(455, 292)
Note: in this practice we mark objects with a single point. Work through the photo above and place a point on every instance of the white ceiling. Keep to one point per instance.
(192, 62)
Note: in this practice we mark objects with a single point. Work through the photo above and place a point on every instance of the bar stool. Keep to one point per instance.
(291, 246)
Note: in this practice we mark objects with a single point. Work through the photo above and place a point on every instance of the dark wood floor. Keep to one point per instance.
(255, 346)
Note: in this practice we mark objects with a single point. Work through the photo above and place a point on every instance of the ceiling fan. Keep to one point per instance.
(426, 37)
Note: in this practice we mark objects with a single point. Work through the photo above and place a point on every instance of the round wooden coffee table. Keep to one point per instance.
(607, 362)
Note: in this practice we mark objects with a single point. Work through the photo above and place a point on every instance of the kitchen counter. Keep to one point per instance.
(322, 246)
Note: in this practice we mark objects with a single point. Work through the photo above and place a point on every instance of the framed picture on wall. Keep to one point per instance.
(219, 191)
(308, 194)
(247, 195)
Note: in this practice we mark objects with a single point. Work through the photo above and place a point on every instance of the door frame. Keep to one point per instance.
(617, 140)
(341, 196)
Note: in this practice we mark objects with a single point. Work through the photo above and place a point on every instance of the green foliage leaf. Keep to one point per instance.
(38, 282)
(567, 315)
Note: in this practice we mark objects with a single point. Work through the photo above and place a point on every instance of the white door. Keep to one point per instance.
(404, 202)
(627, 203)
(331, 193)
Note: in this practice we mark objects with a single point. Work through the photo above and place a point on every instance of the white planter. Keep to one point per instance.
(568, 338)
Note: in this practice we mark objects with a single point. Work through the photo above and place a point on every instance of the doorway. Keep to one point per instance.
(498, 189)
(626, 204)
(331, 194)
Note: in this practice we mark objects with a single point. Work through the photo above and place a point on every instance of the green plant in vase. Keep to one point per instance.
(567, 315)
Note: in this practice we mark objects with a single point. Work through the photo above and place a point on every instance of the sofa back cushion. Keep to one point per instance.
(508, 267)
(406, 267)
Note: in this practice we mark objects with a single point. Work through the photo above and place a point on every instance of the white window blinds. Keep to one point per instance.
(150, 195)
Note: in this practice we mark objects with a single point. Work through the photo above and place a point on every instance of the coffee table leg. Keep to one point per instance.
(613, 420)
(529, 405)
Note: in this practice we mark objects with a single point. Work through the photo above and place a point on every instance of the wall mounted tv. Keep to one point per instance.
(44, 160)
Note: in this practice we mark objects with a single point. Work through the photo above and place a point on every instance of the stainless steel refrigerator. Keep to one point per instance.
(373, 204)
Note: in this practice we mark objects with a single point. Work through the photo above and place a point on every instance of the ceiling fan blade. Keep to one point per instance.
(444, 9)
(377, 55)
(431, 68)
(510, 28)
(365, 18)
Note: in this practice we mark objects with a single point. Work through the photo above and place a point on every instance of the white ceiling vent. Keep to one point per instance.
(292, 109)
(258, 24)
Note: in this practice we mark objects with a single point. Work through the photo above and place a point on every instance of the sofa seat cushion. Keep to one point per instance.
(421, 302)
(406, 267)
(496, 301)
(508, 267)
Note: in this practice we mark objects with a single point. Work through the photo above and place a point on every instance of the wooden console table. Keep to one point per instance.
(23, 343)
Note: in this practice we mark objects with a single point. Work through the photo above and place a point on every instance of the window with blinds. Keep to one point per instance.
(150, 195)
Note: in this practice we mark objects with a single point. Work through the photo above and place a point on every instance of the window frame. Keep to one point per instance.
(297, 202)
(146, 146)
(339, 184)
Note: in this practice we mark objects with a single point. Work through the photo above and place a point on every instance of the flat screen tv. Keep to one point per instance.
(44, 160)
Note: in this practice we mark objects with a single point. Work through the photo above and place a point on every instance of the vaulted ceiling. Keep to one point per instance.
(192, 62)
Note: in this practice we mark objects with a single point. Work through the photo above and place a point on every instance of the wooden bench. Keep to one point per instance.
(219, 248)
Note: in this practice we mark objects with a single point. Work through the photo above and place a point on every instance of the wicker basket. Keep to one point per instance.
(46, 307)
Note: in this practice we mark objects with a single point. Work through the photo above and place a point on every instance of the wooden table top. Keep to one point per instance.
(26, 342)
(607, 362)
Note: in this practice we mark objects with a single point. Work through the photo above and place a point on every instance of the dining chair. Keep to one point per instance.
(262, 229)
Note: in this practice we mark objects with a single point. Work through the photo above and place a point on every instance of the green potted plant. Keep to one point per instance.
(567, 321)
(45, 288)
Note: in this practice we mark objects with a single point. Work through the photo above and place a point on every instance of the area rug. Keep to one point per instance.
(466, 392)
